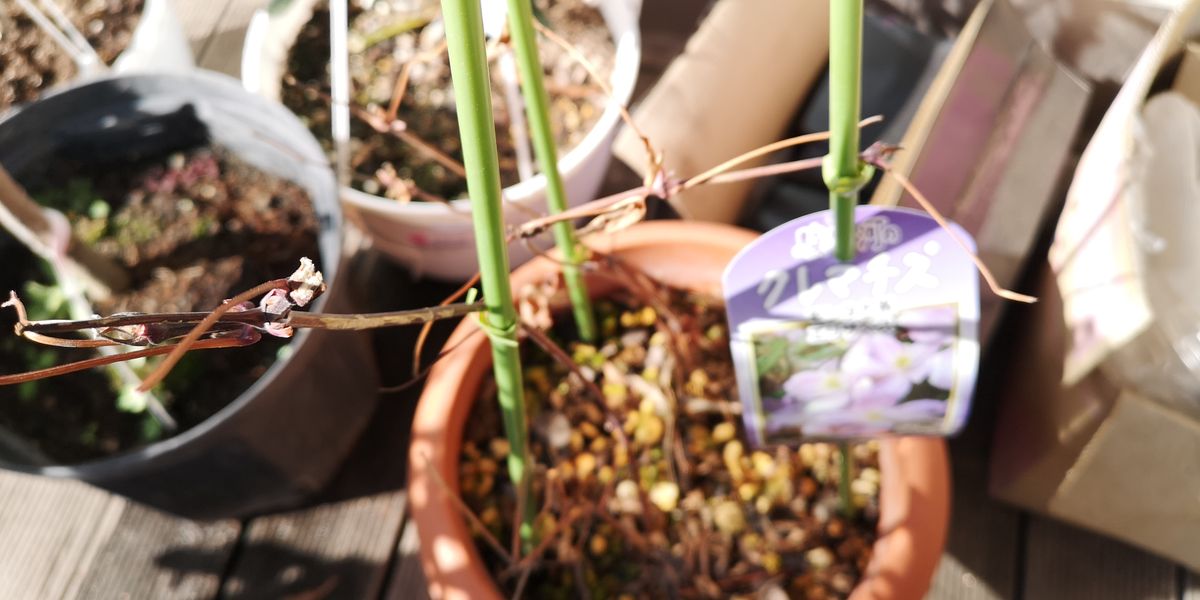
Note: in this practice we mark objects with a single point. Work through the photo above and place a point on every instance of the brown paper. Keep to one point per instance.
(735, 88)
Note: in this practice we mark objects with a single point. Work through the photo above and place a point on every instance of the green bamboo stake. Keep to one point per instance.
(472, 93)
(843, 170)
(537, 108)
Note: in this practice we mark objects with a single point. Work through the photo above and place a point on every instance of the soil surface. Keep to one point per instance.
(31, 61)
(396, 32)
(193, 229)
(687, 509)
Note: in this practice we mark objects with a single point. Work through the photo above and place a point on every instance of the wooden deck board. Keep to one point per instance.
(982, 547)
(199, 18)
(1191, 586)
(1064, 562)
(150, 554)
(222, 50)
(50, 530)
(335, 551)
(407, 580)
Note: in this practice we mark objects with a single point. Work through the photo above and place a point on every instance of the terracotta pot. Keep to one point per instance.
(915, 489)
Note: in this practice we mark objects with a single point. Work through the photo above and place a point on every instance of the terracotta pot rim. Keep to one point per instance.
(915, 471)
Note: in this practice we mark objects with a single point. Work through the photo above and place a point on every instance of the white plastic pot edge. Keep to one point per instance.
(259, 76)
(622, 22)
(269, 37)
(158, 42)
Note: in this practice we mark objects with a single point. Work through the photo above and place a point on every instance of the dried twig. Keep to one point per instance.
(466, 511)
(380, 124)
(875, 155)
(627, 200)
(793, 166)
(58, 342)
(252, 316)
(653, 155)
(423, 335)
(581, 589)
(400, 130)
(527, 562)
(186, 343)
(359, 322)
(650, 291)
(630, 534)
(560, 356)
(524, 579)
(401, 86)
(767, 149)
(57, 370)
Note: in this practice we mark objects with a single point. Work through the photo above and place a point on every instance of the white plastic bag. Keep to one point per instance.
(1164, 360)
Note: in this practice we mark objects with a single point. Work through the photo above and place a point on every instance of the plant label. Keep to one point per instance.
(884, 344)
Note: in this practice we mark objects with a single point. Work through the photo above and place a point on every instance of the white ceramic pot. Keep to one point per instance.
(433, 239)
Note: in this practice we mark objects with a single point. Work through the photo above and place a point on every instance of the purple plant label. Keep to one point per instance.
(884, 344)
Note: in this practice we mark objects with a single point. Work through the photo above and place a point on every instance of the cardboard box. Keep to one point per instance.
(1092, 453)
(988, 142)
(1076, 438)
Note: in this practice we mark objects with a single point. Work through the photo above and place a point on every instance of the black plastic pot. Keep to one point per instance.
(284, 437)
(898, 64)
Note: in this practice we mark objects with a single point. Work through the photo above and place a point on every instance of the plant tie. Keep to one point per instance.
(501, 336)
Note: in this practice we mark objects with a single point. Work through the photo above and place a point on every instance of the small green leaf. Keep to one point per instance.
(45, 302)
(541, 16)
(771, 353)
(152, 430)
(132, 401)
(27, 391)
(43, 359)
(99, 209)
(278, 6)
(823, 352)
(89, 434)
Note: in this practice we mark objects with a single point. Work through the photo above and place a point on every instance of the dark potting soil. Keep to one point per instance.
(31, 61)
(689, 510)
(193, 229)
(383, 39)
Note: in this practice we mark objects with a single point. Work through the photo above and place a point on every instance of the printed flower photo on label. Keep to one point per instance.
(863, 381)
